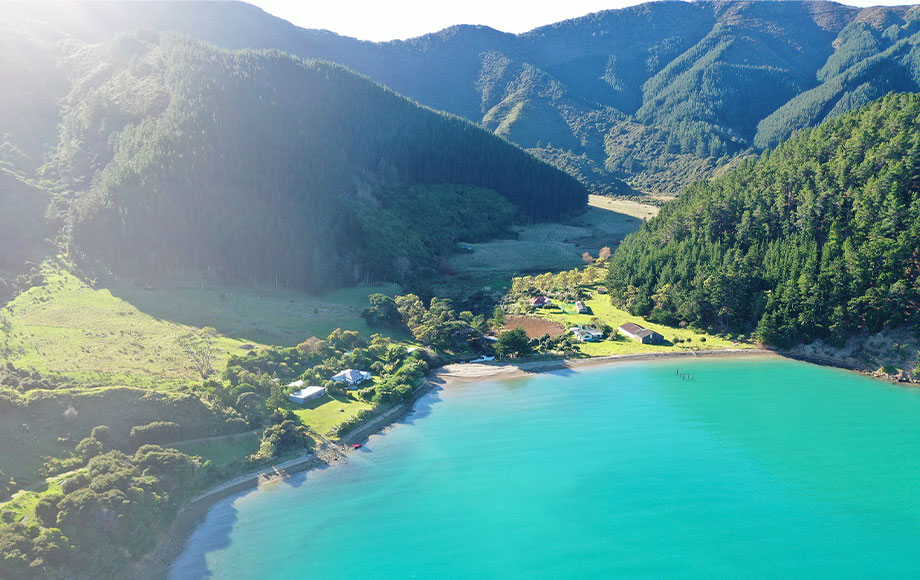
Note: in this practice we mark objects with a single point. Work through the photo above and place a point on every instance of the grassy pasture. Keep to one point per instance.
(130, 336)
(550, 247)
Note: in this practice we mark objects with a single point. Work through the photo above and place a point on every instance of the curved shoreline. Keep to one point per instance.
(156, 564)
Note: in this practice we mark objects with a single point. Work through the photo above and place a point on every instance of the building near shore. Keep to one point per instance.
(641, 334)
(306, 394)
(351, 377)
(587, 334)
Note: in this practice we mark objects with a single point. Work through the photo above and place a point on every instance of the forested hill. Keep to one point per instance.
(817, 239)
(258, 166)
(657, 95)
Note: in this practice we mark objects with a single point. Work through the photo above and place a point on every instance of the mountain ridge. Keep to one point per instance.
(713, 80)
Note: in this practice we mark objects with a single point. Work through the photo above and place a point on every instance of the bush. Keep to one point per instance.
(158, 432)
(88, 448)
(46, 510)
(75, 482)
(102, 434)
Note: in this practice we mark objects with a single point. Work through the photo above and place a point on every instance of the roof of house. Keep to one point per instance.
(539, 300)
(352, 376)
(298, 383)
(307, 392)
(636, 330)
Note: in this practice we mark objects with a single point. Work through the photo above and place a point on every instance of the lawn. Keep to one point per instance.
(130, 336)
(602, 308)
(222, 450)
(326, 413)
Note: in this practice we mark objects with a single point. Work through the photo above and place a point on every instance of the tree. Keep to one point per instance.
(513, 343)
(382, 311)
(199, 346)
(498, 318)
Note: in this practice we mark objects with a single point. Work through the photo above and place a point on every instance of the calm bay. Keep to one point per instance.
(740, 467)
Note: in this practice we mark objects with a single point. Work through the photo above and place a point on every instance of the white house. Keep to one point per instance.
(351, 377)
(306, 394)
(587, 333)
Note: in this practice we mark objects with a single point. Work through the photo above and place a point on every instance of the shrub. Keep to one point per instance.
(75, 482)
(46, 510)
(158, 432)
(88, 448)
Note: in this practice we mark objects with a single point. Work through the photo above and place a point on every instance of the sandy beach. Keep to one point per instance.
(467, 372)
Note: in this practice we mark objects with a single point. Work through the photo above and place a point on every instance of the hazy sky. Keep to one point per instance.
(389, 19)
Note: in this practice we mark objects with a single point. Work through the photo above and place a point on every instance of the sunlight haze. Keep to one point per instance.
(382, 21)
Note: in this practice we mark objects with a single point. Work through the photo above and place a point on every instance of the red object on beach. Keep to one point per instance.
(357, 446)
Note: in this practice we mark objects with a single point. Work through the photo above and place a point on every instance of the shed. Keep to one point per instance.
(306, 394)
(581, 308)
(641, 334)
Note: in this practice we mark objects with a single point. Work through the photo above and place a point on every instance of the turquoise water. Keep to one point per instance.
(755, 468)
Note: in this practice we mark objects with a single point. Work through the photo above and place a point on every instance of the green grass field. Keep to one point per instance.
(326, 413)
(130, 336)
(222, 450)
(602, 308)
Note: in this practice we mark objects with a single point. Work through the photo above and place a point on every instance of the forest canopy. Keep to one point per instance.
(817, 239)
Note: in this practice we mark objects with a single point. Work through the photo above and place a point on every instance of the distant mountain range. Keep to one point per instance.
(647, 98)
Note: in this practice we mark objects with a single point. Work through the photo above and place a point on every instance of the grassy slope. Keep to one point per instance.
(222, 451)
(130, 336)
(326, 413)
(601, 308)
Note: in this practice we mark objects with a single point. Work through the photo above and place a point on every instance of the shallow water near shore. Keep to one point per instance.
(751, 468)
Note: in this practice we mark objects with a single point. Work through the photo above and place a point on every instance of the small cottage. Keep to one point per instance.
(540, 301)
(581, 308)
(587, 334)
